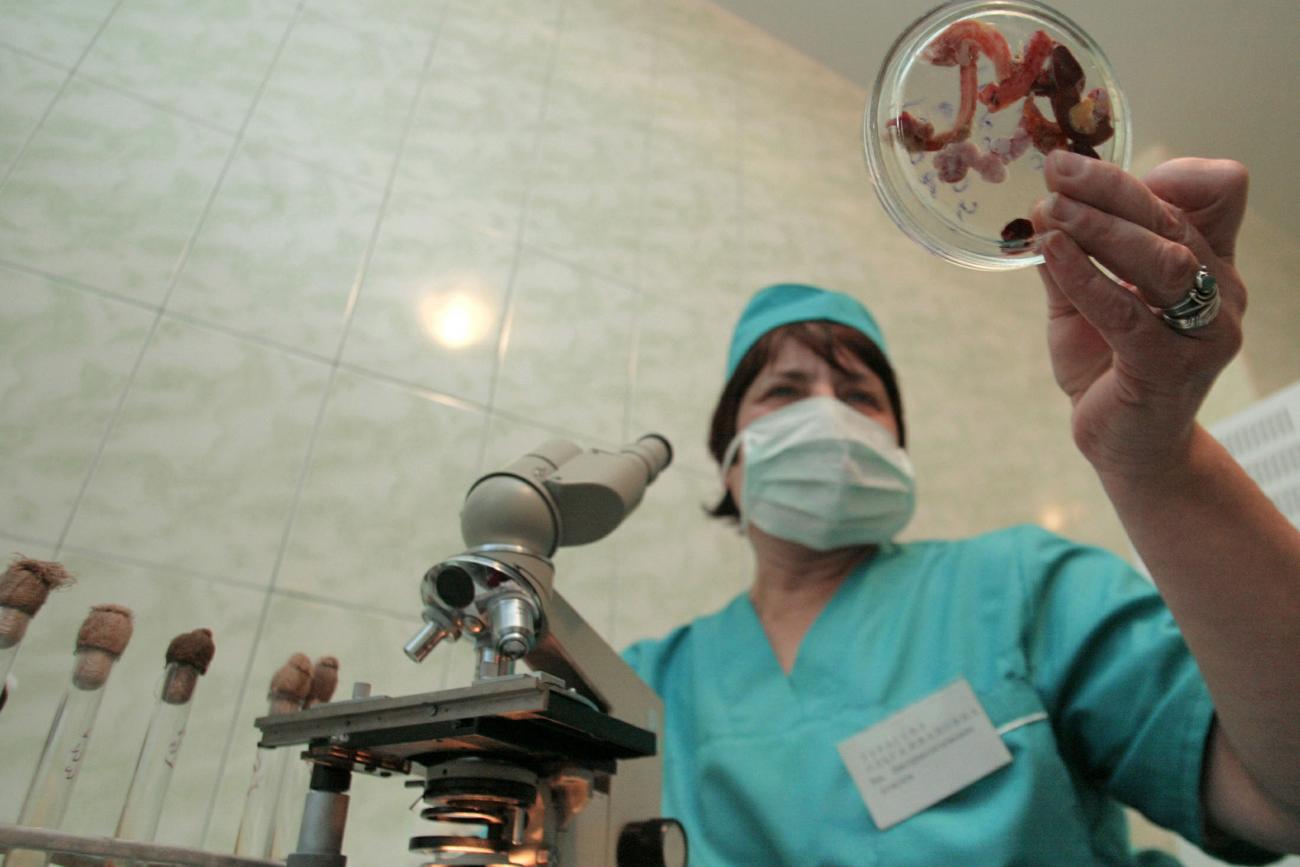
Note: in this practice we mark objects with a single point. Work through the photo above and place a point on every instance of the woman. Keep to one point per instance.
(859, 704)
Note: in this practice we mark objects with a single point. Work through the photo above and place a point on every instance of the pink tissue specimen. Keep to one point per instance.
(1044, 68)
(952, 162)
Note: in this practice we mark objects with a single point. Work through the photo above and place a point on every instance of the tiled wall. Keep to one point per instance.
(278, 279)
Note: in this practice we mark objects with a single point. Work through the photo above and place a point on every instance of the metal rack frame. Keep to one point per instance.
(75, 850)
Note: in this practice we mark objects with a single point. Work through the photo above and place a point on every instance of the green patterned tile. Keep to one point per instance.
(201, 468)
(339, 97)
(26, 88)
(691, 220)
(496, 40)
(674, 392)
(468, 157)
(382, 496)
(589, 180)
(205, 58)
(663, 585)
(65, 357)
(567, 349)
(58, 30)
(429, 311)
(408, 22)
(279, 252)
(108, 192)
(26, 546)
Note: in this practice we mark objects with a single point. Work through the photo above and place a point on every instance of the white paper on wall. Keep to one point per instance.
(1265, 440)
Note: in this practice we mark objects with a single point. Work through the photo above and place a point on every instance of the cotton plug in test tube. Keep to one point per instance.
(23, 589)
(293, 794)
(100, 641)
(187, 658)
(289, 689)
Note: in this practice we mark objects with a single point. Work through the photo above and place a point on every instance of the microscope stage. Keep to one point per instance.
(520, 715)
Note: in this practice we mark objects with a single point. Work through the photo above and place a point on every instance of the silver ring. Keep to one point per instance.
(1198, 307)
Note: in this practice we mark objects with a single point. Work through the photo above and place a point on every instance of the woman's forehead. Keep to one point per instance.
(793, 356)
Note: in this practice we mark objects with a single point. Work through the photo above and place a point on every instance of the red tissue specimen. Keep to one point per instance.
(1084, 121)
(1021, 77)
(918, 135)
(1044, 68)
(1016, 235)
(1045, 135)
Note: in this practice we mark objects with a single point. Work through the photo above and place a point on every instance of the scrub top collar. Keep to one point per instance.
(750, 679)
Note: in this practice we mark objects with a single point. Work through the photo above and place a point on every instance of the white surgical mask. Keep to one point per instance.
(820, 473)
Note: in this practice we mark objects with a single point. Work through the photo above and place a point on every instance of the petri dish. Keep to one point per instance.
(954, 172)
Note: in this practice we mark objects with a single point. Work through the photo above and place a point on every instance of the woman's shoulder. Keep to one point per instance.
(1019, 541)
(1037, 559)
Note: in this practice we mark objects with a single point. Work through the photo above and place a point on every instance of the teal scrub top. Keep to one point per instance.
(1036, 624)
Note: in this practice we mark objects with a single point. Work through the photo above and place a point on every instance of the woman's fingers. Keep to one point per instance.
(1162, 269)
(1121, 317)
(1110, 189)
(1135, 379)
(1150, 349)
(1156, 248)
(1211, 195)
(1197, 202)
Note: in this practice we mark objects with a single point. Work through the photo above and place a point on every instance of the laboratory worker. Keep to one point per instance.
(995, 700)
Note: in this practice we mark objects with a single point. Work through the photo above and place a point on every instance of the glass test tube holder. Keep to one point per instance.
(257, 826)
(61, 758)
(9, 653)
(162, 744)
(7, 657)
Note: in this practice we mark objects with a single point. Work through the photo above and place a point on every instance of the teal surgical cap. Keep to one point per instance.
(785, 303)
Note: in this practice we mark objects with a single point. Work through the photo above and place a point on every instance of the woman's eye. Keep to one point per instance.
(865, 398)
(782, 391)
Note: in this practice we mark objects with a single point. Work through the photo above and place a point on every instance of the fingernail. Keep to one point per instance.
(1065, 163)
(1063, 208)
(1051, 244)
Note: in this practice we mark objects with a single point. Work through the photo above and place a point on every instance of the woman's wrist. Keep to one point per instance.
(1147, 454)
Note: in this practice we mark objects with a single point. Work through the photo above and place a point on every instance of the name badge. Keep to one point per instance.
(922, 754)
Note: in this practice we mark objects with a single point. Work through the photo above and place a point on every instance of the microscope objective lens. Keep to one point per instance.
(455, 586)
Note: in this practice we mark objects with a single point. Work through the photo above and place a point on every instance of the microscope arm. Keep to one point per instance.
(573, 651)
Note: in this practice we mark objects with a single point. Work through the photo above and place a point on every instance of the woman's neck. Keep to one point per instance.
(792, 584)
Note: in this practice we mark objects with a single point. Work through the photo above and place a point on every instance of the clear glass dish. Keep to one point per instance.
(957, 193)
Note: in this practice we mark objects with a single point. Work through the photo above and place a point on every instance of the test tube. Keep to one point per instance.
(23, 590)
(187, 658)
(289, 688)
(324, 680)
(100, 641)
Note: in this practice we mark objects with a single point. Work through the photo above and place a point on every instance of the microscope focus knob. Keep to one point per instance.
(652, 843)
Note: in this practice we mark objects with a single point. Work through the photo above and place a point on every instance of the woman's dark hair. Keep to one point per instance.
(827, 340)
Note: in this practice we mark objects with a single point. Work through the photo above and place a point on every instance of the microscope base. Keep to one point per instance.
(522, 756)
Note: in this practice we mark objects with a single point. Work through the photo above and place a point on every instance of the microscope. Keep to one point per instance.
(554, 766)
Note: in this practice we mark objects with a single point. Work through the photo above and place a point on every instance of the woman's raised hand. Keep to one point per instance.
(1136, 382)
